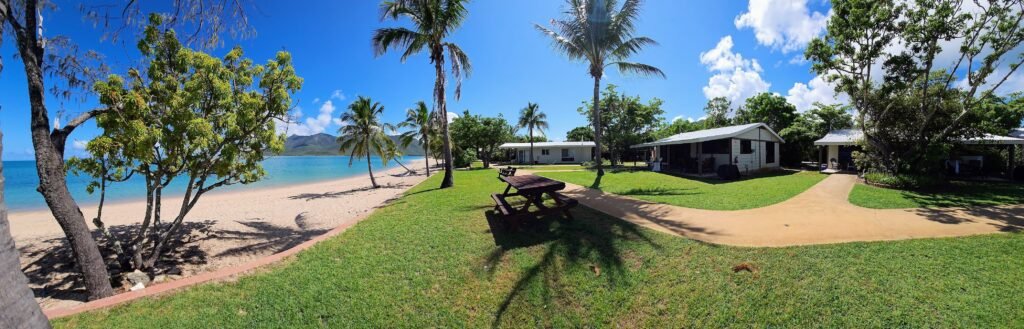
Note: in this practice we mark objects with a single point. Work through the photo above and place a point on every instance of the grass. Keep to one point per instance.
(958, 194)
(430, 260)
(711, 194)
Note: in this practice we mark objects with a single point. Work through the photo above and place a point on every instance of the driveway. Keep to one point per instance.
(819, 215)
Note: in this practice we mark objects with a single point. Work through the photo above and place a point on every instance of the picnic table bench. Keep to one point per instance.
(533, 188)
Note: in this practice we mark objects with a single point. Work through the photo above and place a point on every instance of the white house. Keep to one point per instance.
(751, 147)
(550, 152)
(837, 147)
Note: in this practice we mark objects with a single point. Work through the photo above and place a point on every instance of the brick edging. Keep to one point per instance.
(217, 275)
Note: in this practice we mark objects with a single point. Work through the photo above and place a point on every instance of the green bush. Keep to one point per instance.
(902, 181)
(463, 158)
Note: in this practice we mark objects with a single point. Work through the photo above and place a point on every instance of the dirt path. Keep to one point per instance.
(819, 215)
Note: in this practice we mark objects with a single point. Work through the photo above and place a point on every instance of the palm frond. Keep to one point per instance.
(395, 38)
(460, 66)
(639, 69)
(632, 46)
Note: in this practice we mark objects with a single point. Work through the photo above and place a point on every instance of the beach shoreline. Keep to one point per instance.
(225, 228)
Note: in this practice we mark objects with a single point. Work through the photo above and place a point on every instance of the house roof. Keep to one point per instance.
(1017, 132)
(709, 134)
(852, 136)
(841, 137)
(546, 144)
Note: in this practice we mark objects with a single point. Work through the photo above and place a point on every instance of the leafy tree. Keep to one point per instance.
(717, 112)
(580, 134)
(481, 135)
(530, 117)
(601, 34)
(827, 118)
(191, 116)
(626, 120)
(769, 108)
(910, 102)
(677, 127)
(420, 126)
(434, 21)
(362, 134)
(20, 309)
(527, 139)
(71, 70)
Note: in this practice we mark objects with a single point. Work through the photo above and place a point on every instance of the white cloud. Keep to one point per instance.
(316, 100)
(798, 60)
(803, 96)
(452, 116)
(782, 24)
(338, 95)
(79, 144)
(311, 125)
(736, 78)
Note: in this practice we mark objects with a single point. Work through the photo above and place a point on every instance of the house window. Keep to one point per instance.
(746, 148)
(769, 154)
(718, 146)
(544, 152)
(567, 156)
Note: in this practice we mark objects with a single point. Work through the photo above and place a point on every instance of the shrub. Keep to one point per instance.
(902, 181)
(463, 158)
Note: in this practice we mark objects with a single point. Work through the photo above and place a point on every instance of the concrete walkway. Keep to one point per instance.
(819, 215)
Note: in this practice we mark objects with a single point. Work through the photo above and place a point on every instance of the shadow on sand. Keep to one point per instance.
(53, 273)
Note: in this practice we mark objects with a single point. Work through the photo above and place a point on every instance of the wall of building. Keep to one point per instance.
(833, 153)
(579, 154)
(758, 158)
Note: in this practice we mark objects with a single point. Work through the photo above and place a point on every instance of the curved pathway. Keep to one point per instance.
(819, 215)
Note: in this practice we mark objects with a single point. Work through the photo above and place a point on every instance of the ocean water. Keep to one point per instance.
(21, 179)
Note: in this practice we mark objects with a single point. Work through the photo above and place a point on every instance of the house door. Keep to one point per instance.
(522, 157)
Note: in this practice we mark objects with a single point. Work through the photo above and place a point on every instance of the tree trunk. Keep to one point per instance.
(18, 307)
(426, 154)
(369, 167)
(597, 124)
(49, 153)
(439, 98)
(531, 145)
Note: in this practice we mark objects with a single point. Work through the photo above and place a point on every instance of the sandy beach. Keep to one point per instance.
(224, 229)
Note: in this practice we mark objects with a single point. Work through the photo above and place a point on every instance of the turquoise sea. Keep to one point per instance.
(21, 179)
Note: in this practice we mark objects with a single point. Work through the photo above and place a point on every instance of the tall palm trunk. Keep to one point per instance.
(369, 167)
(426, 154)
(597, 123)
(531, 145)
(439, 98)
(18, 307)
(49, 153)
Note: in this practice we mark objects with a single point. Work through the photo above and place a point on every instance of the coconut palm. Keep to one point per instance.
(418, 120)
(530, 117)
(363, 134)
(393, 153)
(594, 31)
(433, 21)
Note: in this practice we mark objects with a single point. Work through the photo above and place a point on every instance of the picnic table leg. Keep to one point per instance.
(565, 211)
(507, 188)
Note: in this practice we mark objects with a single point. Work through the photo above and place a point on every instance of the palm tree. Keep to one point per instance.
(362, 133)
(393, 153)
(418, 120)
(530, 117)
(595, 32)
(433, 21)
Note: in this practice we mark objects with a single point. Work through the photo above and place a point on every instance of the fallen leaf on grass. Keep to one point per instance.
(597, 270)
(744, 266)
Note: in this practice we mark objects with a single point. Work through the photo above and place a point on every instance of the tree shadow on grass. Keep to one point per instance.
(591, 240)
(658, 191)
(1007, 218)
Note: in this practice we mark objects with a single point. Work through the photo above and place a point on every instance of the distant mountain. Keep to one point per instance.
(326, 144)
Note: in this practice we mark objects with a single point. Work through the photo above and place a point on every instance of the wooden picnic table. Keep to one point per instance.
(532, 188)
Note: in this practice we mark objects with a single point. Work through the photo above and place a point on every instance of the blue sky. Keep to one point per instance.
(708, 48)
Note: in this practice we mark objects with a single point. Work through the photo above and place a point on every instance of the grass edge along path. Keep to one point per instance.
(706, 193)
(957, 194)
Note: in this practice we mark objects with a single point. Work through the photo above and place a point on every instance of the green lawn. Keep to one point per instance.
(711, 194)
(958, 194)
(430, 260)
